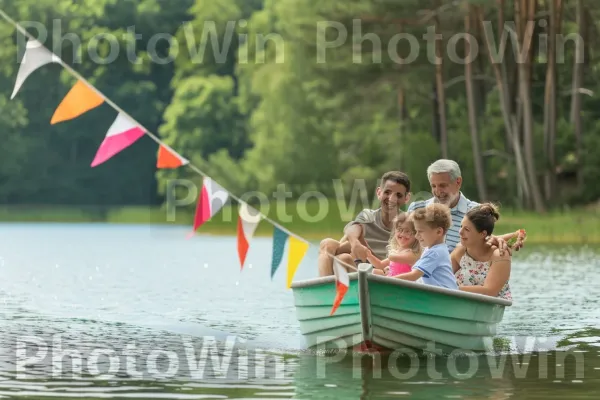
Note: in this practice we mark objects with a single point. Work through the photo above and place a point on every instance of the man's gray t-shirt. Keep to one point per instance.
(375, 233)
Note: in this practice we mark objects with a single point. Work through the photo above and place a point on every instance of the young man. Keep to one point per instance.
(434, 266)
(370, 229)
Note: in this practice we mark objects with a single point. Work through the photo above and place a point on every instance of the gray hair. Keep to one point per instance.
(442, 166)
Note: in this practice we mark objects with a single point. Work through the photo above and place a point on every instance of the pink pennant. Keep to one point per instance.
(212, 198)
(121, 134)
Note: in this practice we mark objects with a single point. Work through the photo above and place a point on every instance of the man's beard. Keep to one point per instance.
(447, 201)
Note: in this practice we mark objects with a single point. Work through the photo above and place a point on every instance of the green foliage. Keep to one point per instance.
(203, 116)
(50, 164)
(254, 99)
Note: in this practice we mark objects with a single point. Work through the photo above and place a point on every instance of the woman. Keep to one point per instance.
(478, 267)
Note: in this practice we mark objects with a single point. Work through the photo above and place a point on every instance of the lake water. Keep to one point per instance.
(106, 311)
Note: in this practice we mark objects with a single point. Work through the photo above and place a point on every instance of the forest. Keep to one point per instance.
(260, 93)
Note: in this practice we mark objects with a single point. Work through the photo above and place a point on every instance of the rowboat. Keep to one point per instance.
(383, 312)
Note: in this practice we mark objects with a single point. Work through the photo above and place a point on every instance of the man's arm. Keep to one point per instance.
(507, 236)
(501, 241)
(353, 232)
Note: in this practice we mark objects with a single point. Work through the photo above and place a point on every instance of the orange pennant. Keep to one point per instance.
(342, 283)
(81, 98)
(169, 159)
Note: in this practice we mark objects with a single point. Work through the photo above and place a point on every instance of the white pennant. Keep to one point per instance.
(250, 219)
(36, 56)
(341, 273)
(217, 196)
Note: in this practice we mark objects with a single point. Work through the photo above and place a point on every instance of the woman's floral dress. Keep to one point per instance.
(473, 273)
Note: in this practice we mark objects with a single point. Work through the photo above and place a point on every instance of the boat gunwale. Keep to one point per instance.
(437, 289)
(321, 280)
(404, 283)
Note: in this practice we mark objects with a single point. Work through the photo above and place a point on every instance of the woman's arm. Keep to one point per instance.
(497, 276)
(455, 256)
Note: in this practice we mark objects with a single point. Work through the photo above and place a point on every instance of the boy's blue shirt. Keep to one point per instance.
(436, 265)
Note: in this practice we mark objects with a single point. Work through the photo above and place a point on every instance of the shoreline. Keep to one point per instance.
(315, 237)
(574, 227)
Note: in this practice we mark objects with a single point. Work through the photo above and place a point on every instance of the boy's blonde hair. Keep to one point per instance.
(396, 224)
(434, 215)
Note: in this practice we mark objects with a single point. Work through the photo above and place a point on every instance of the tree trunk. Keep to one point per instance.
(480, 84)
(500, 3)
(436, 115)
(575, 117)
(477, 158)
(525, 96)
(515, 70)
(500, 16)
(401, 124)
(519, 11)
(550, 102)
(510, 124)
(514, 108)
(530, 25)
(441, 92)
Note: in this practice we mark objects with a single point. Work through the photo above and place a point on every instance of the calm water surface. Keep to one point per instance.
(105, 311)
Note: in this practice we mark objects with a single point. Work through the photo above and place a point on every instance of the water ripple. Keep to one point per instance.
(137, 293)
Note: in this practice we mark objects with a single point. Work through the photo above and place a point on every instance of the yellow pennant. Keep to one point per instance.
(296, 252)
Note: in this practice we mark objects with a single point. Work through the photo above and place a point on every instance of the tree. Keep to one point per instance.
(477, 158)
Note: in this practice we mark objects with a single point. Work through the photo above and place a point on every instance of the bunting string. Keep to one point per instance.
(76, 75)
(125, 130)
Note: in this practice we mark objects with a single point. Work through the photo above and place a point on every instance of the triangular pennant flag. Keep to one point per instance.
(279, 240)
(212, 198)
(247, 223)
(36, 56)
(121, 134)
(342, 283)
(296, 253)
(80, 99)
(167, 158)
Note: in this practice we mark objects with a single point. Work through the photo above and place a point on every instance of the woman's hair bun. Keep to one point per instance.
(490, 209)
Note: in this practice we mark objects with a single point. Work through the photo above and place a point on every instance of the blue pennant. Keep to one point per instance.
(279, 240)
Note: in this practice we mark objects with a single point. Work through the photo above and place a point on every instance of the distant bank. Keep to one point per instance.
(311, 220)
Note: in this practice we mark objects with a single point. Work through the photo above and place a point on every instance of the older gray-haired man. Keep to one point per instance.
(445, 179)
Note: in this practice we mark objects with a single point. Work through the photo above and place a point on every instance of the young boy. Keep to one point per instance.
(434, 266)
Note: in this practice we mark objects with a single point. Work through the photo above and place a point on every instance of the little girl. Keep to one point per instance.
(403, 249)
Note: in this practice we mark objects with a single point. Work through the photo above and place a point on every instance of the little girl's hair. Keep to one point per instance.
(397, 224)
